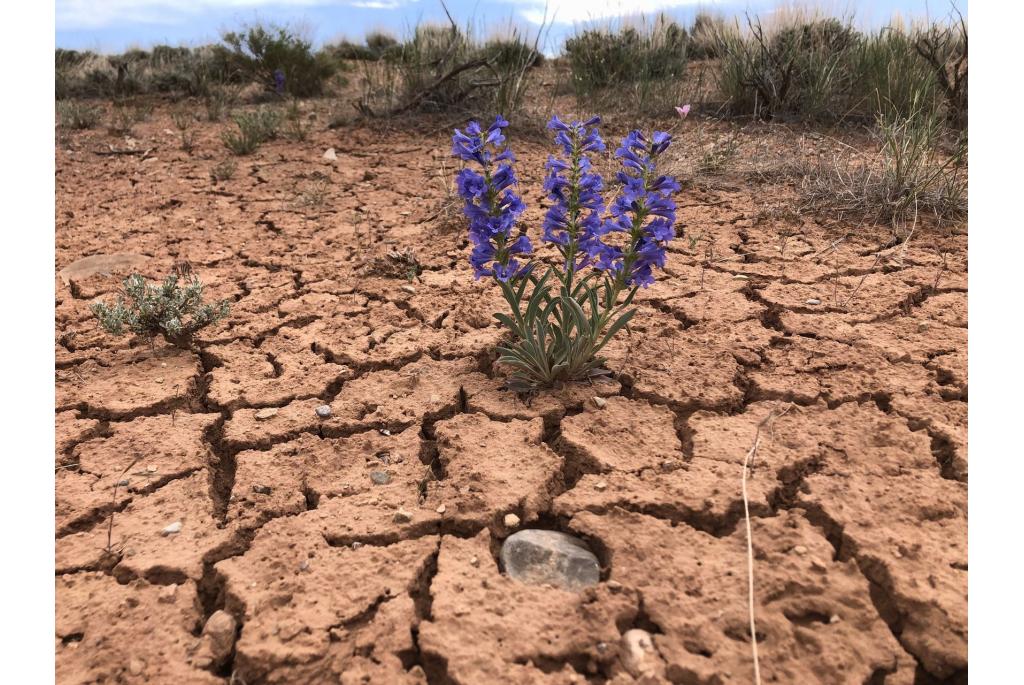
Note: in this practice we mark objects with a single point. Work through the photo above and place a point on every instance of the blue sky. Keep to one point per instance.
(113, 25)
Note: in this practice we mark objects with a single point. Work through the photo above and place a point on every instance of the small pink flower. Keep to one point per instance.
(683, 111)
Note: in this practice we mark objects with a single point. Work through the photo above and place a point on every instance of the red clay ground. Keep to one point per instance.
(858, 494)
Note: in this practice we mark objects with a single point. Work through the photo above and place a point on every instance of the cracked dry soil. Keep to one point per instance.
(858, 495)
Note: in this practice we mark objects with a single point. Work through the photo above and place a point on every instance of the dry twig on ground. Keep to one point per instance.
(766, 423)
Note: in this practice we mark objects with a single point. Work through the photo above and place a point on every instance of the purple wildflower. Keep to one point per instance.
(490, 203)
(644, 209)
(574, 220)
(279, 81)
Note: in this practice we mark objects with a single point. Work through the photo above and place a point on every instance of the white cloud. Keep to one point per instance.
(578, 11)
(379, 4)
(94, 14)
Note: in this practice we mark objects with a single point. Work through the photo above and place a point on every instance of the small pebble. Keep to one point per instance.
(168, 594)
(600, 402)
(304, 566)
(380, 477)
(740, 277)
(834, 619)
(441, 509)
(600, 486)
(474, 562)
(409, 289)
(330, 155)
(135, 667)
(324, 411)
(800, 549)
(511, 521)
(356, 545)
(261, 489)
(402, 516)
(385, 431)
(172, 529)
(264, 414)
(813, 300)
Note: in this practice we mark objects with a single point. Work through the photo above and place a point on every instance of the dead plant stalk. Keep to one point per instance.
(766, 423)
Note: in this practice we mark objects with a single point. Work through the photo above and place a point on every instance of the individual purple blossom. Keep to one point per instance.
(574, 220)
(279, 81)
(490, 204)
(644, 209)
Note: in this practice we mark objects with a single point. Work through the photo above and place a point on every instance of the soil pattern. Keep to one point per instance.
(213, 528)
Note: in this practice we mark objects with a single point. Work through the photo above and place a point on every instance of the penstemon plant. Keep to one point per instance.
(562, 319)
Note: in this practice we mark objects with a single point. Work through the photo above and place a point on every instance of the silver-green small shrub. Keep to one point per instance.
(173, 309)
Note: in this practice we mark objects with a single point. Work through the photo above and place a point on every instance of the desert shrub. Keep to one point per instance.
(174, 309)
(560, 321)
(379, 42)
(702, 43)
(258, 54)
(442, 68)
(82, 74)
(802, 68)
(944, 48)
(374, 47)
(77, 115)
(254, 129)
(645, 67)
(345, 49)
(164, 70)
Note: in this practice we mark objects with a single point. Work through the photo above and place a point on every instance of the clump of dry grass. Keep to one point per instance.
(396, 264)
(224, 170)
(314, 194)
(910, 175)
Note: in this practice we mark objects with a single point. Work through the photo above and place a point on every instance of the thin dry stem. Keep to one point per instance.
(766, 423)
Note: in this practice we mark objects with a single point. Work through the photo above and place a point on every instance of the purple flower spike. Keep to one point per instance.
(489, 201)
(644, 209)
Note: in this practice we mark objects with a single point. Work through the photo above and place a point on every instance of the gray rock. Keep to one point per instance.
(548, 557)
(324, 411)
(219, 636)
(380, 477)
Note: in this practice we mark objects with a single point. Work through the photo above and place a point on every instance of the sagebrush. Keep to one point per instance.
(173, 309)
